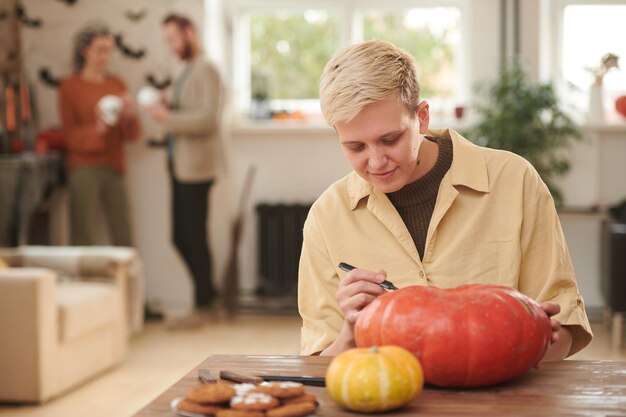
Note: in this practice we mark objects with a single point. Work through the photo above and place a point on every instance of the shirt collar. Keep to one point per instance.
(468, 168)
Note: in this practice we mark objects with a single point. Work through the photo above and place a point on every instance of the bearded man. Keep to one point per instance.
(192, 122)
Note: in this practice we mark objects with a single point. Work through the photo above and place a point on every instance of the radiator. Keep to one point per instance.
(279, 245)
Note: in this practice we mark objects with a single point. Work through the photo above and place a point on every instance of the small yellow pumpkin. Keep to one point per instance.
(371, 380)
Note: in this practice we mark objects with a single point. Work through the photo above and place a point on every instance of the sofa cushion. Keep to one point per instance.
(84, 307)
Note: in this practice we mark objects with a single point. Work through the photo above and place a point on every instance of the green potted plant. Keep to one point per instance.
(260, 96)
(525, 118)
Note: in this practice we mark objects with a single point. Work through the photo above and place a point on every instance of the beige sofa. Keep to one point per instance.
(64, 318)
(90, 263)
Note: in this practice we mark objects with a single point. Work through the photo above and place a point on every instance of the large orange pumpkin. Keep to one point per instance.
(375, 379)
(469, 336)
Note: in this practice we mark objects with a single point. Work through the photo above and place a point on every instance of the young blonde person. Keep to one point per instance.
(423, 207)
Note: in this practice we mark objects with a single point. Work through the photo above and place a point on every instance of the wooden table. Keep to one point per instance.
(566, 388)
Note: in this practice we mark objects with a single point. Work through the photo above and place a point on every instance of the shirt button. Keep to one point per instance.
(422, 274)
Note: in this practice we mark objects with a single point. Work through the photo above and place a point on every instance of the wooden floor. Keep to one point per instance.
(159, 357)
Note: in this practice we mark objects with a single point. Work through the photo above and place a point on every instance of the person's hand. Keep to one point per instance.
(357, 290)
(561, 339)
(101, 126)
(129, 110)
(552, 309)
(159, 112)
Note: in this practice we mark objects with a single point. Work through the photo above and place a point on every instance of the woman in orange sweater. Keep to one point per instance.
(95, 148)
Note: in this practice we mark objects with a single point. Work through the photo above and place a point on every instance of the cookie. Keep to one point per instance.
(254, 401)
(217, 393)
(306, 398)
(190, 406)
(293, 410)
(281, 390)
(242, 389)
(239, 413)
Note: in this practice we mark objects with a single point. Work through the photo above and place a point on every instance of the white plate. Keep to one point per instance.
(175, 409)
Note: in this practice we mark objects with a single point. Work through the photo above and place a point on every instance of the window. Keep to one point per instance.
(432, 36)
(281, 48)
(288, 51)
(589, 32)
(586, 30)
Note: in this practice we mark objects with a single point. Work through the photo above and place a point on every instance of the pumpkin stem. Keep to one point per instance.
(373, 349)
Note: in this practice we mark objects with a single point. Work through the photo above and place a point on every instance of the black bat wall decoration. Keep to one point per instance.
(20, 11)
(159, 85)
(46, 76)
(136, 16)
(4, 14)
(68, 2)
(127, 50)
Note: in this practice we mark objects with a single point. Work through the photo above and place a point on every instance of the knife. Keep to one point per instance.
(205, 376)
(303, 379)
(240, 378)
(385, 284)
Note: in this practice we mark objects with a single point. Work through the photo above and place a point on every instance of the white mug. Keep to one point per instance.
(148, 96)
(110, 108)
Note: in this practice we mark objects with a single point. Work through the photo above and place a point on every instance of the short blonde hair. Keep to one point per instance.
(366, 73)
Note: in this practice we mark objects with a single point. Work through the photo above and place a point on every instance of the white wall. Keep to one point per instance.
(583, 236)
(597, 162)
(294, 167)
(294, 164)
(147, 179)
(598, 173)
(596, 178)
(484, 43)
(297, 167)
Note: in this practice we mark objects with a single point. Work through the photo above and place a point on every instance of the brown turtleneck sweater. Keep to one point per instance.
(415, 202)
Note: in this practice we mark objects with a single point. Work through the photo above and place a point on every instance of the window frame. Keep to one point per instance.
(349, 13)
(554, 53)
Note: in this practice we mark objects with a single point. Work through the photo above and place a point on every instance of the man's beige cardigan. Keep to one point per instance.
(195, 124)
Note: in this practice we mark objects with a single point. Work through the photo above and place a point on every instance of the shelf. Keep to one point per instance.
(613, 123)
(246, 128)
(580, 210)
(604, 128)
(250, 128)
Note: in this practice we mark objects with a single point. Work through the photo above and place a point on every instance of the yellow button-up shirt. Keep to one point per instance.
(494, 222)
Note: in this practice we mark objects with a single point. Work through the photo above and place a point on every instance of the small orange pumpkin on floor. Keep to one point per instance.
(371, 380)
